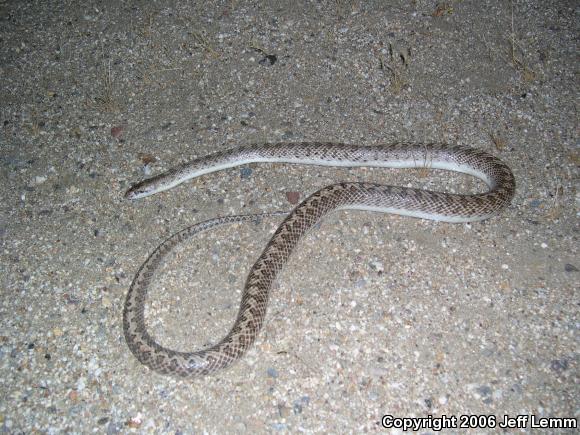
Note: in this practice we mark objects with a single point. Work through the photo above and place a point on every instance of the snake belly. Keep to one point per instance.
(344, 195)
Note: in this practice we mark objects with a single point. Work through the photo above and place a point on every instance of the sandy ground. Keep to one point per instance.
(375, 314)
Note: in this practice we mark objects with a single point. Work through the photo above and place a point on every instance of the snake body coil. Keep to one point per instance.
(347, 195)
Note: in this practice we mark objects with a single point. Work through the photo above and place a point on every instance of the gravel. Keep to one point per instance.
(375, 314)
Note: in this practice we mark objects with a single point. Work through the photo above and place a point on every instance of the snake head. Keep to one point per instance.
(139, 190)
(151, 186)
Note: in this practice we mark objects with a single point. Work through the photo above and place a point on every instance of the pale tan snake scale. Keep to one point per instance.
(346, 195)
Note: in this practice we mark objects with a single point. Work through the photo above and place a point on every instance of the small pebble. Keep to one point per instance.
(39, 179)
(559, 365)
(135, 422)
(377, 266)
(297, 408)
(484, 390)
(245, 173)
(283, 411)
(268, 60)
(293, 197)
(361, 282)
(117, 131)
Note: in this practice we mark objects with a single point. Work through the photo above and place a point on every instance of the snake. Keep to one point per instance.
(418, 203)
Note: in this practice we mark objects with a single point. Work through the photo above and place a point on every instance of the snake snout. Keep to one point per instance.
(129, 194)
(135, 192)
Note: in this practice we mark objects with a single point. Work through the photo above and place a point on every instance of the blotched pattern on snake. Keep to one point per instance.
(345, 195)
